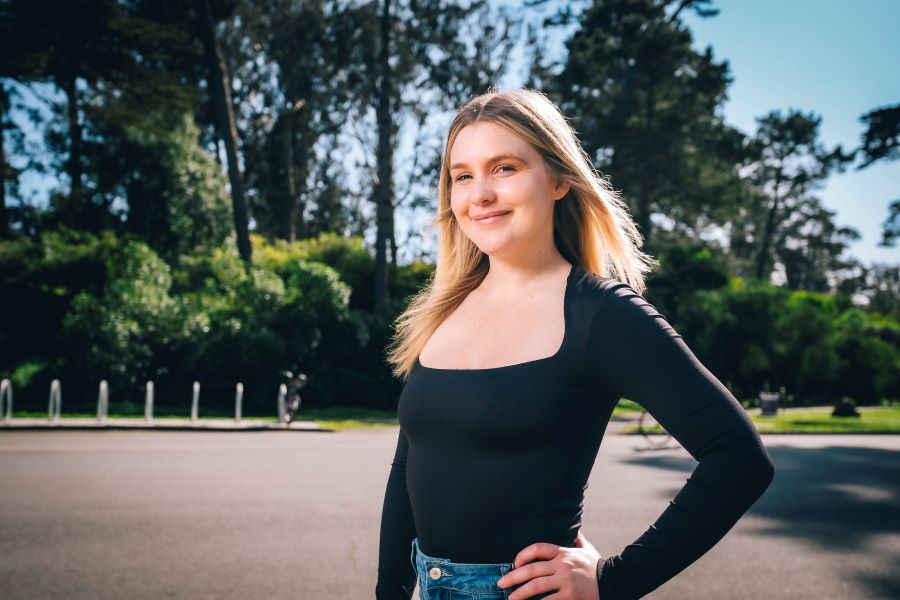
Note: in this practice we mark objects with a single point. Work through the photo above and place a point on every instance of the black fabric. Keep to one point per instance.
(489, 461)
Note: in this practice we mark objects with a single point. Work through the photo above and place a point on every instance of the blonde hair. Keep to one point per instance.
(591, 223)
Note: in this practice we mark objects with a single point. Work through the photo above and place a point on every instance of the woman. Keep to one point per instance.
(515, 355)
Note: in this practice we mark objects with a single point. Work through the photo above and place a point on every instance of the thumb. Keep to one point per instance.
(582, 542)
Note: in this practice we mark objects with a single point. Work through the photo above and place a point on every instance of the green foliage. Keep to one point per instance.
(868, 366)
(109, 307)
(138, 318)
(176, 192)
(121, 331)
(758, 336)
(25, 373)
(39, 279)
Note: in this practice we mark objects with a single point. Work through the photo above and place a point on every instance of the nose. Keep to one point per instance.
(482, 191)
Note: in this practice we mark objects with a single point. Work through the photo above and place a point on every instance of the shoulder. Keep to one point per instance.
(614, 303)
(599, 290)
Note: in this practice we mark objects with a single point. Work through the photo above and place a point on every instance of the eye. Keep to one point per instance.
(506, 167)
(460, 177)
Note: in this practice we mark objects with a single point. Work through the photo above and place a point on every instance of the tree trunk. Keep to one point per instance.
(288, 132)
(220, 93)
(393, 240)
(301, 172)
(645, 203)
(74, 164)
(382, 189)
(762, 257)
(4, 212)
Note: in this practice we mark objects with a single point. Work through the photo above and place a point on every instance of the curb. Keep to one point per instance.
(88, 424)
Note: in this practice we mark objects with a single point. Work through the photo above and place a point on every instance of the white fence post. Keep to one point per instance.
(103, 401)
(195, 403)
(238, 401)
(55, 406)
(6, 398)
(148, 403)
(282, 394)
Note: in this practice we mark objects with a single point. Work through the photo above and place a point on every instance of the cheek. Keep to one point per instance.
(458, 206)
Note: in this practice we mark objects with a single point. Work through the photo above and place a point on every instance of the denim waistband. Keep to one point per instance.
(434, 572)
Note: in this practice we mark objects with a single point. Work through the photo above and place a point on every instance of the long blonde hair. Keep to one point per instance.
(591, 223)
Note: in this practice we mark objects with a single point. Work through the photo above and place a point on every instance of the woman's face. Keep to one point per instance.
(492, 170)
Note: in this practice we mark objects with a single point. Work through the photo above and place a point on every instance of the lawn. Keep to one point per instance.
(872, 419)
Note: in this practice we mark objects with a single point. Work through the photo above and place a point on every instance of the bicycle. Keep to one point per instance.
(654, 434)
(291, 404)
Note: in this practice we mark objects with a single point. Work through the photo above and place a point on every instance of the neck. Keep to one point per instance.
(513, 275)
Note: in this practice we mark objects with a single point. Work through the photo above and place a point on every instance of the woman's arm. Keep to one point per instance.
(396, 575)
(635, 353)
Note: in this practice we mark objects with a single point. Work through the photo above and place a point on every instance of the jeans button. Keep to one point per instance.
(434, 572)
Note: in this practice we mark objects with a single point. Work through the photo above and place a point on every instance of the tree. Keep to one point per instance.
(219, 86)
(6, 170)
(891, 227)
(105, 61)
(881, 141)
(431, 56)
(791, 164)
(175, 190)
(645, 104)
(293, 67)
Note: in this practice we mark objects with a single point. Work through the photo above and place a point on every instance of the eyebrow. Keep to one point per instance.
(491, 160)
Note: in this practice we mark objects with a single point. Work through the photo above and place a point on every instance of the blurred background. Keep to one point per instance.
(217, 190)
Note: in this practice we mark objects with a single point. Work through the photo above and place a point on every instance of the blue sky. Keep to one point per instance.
(835, 58)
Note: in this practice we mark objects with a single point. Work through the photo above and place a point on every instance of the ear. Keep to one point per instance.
(561, 189)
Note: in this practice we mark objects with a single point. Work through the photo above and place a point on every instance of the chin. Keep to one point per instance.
(492, 245)
(492, 251)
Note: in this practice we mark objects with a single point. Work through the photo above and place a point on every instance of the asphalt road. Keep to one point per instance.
(144, 514)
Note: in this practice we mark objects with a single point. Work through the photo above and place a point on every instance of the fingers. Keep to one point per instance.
(521, 574)
(535, 552)
(535, 588)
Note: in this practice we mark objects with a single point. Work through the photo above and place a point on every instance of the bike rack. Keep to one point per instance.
(195, 402)
(6, 398)
(282, 395)
(238, 400)
(103, 402)
(55, 405)
(148, 403)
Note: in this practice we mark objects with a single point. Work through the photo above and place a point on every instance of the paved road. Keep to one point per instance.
(145, 514)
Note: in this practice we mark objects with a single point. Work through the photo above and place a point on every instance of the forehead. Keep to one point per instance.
(479, 142)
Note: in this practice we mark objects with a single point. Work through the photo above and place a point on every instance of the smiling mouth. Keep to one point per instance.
(492, 219)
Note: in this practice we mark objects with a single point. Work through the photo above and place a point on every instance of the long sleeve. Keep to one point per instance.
(634, 352)
(396, 575)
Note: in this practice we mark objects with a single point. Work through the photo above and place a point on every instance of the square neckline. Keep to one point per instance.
(529, 363)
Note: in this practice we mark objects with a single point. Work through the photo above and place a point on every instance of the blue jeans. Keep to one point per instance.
(442, 579)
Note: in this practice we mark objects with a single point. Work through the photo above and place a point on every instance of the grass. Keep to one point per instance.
(626, 407)
(872, 419)
(337, 418)
(340, 418)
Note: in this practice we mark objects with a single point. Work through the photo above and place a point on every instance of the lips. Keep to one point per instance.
(491, 217)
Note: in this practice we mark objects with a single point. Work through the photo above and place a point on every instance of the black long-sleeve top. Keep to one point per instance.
(489, 461)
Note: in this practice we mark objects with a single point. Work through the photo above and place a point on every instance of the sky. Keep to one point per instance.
(835, 58)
